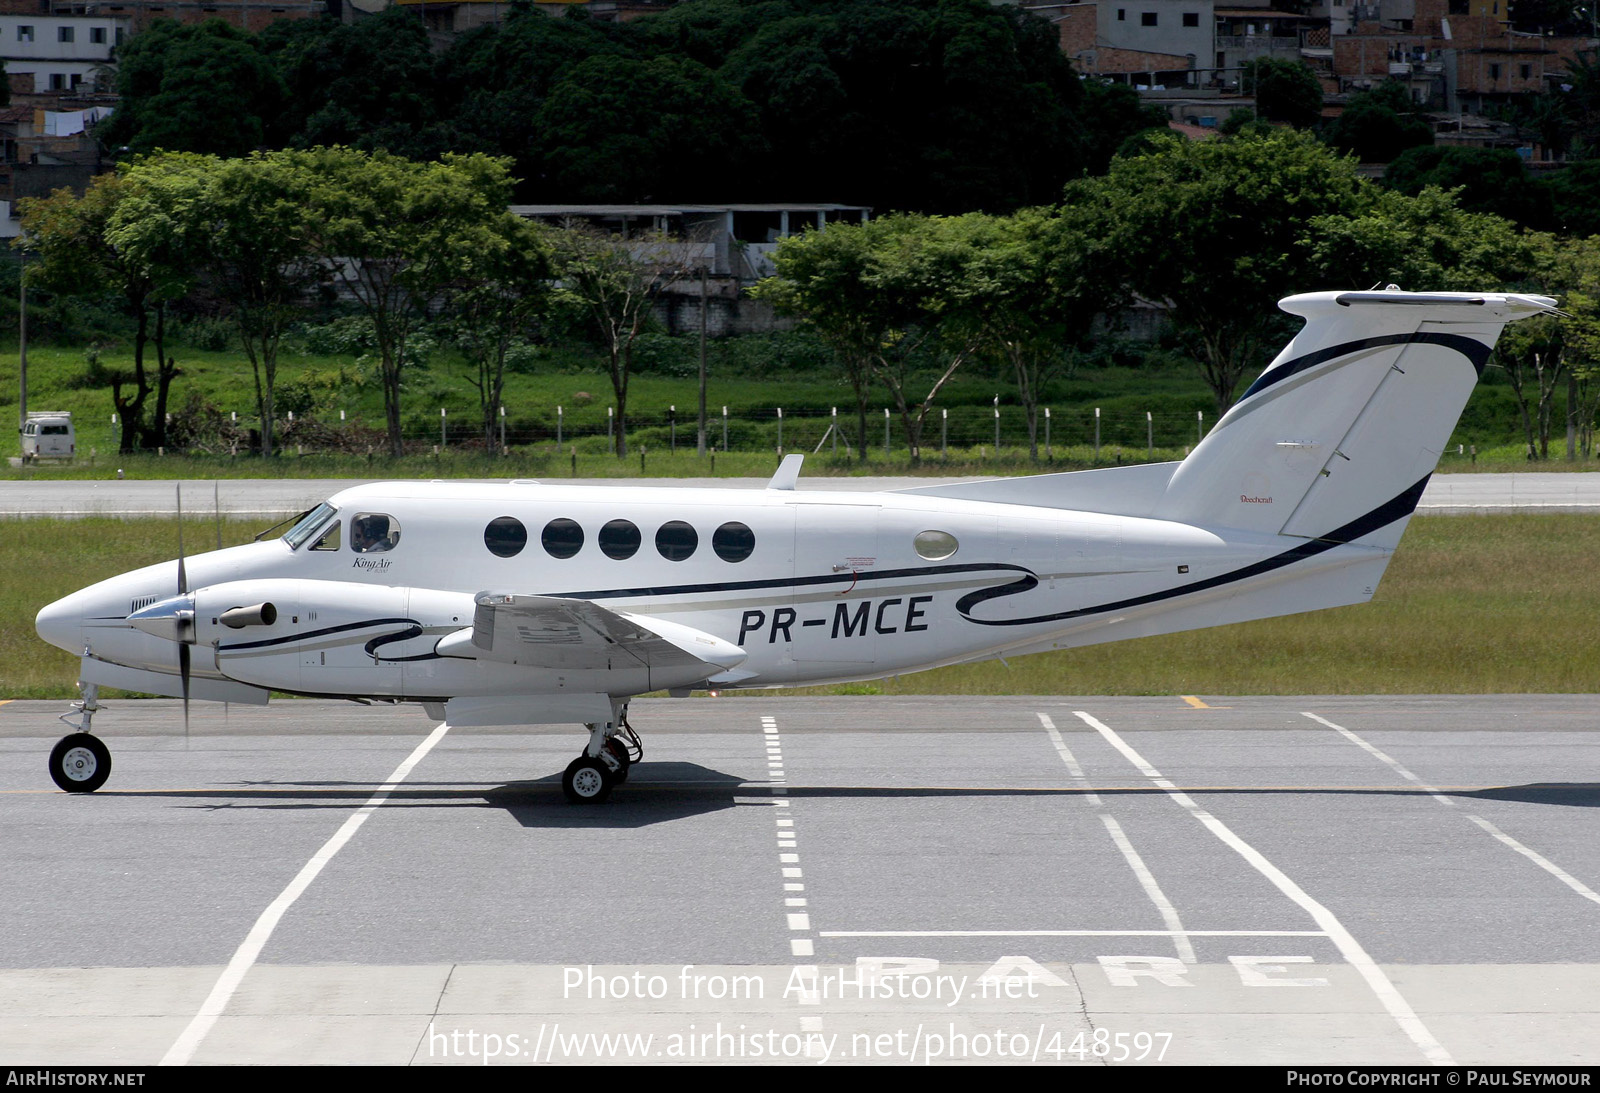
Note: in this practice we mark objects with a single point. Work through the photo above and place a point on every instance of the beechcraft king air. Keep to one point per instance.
(520, 603)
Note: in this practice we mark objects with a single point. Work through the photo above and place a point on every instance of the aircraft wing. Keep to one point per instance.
(552, 632)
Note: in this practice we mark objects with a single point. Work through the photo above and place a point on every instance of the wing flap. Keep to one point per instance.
(552, 632)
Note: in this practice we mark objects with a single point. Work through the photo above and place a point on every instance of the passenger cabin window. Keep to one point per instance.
(676, 541)
(620, 539)
(374, 533)
(934, 545)
(505, 536)
(562, 538)
(307, 525)
(733, 541)
(330, 538)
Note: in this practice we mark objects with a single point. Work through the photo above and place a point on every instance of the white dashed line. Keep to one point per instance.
(1527, 852)
(245, 957)
(1396, 1005)
(1147, 880)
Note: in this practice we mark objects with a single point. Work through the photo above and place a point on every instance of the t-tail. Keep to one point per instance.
(1335, 440)
(1338, 436)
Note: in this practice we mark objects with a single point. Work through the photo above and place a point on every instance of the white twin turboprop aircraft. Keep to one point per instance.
(522, 604)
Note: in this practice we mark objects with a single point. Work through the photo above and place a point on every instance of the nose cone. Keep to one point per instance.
(61, 624)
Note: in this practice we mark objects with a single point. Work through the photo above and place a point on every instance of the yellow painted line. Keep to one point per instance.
(5, 701)
(1195, 704)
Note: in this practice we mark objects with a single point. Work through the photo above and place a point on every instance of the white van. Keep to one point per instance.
(48, 435)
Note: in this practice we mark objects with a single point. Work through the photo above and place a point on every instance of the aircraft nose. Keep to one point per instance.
(61, 624)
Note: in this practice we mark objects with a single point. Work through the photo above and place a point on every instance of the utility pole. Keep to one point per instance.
(700, 443)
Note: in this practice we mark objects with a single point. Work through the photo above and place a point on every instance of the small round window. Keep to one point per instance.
(934, 545)
(733, 541)
(505, 536)
(676, 540)
(562, 538)
(620, 539)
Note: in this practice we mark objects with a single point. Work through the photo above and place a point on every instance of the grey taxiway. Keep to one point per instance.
(1178, 879)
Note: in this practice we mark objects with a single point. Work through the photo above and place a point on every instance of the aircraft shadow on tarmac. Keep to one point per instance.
(1576, 794)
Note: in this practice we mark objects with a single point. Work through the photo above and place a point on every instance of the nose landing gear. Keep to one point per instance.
(80, 762)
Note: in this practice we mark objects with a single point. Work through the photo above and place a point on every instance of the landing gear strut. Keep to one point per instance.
(80, 762)
(613, 748)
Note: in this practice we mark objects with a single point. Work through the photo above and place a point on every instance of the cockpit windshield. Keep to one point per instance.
(308, 526)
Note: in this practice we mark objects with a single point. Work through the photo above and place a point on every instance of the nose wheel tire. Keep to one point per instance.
(587, 781)
(80, 763)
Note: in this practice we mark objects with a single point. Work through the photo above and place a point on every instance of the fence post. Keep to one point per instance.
(611, 442)
(1047, 454)
(780, 430)
(1200, 425)
(442, 421)
(885, 430)
(672, 424)
(502, 427)
(944, 433)
(1149, 436)
(833, 430)
(1097, 434)
(997, 426)
(724, 428)
(561, 420)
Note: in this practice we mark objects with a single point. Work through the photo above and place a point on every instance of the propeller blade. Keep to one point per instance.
(183, 674)
(183, 580)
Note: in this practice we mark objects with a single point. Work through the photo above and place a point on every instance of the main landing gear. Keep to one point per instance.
(80, 762)
(613, 748)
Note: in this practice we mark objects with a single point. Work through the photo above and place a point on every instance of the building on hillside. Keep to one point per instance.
(731, 244)
(251, 15)
(447, 17)
(60, 52)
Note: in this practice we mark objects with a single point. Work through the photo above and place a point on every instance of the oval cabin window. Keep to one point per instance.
(620, 539)
(561, 538)
(505, 536)
(676, 540)
(733, 541)
(934, 545)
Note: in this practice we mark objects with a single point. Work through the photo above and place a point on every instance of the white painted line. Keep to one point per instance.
(802, 946)
(1147, 880)
(245, 956)
(800, 921)
(1527, 852)
(1391, 999)
(1070, 933)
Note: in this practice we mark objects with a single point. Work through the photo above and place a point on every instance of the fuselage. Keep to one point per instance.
(812, 586)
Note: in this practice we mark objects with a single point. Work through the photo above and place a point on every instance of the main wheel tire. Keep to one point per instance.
(587, 781)
(80, 763)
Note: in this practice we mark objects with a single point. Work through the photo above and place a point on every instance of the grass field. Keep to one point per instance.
(1470, 605)
(754, 377)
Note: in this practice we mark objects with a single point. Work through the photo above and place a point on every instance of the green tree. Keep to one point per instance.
(204, 87)
(1377, 125)
(1286, 91)
(820, 280)
(1034, 287)
(493, 303)
(1213, 229)
(1422, 243)
(393, 233)
(76, 256)
(614, 283)
(242, 223)
(615, 129)
(1486, 180)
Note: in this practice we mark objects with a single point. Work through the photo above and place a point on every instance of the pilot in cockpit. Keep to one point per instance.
(370, 534)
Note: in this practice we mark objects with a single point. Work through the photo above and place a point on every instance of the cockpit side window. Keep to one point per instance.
(330, 538)
(373, 533)
(308, 525)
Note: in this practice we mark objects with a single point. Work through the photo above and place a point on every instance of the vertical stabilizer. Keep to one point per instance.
(1350, 419)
